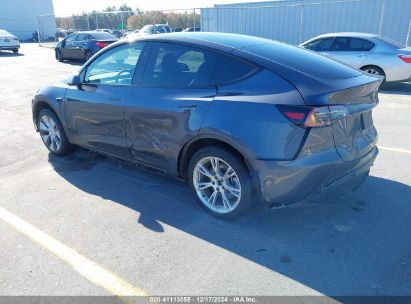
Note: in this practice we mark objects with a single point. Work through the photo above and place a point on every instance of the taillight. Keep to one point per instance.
(313, 117)
(406, 58)
(102, 44)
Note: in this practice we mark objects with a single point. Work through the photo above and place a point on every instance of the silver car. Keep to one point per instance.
(9, 42)
(369, 52)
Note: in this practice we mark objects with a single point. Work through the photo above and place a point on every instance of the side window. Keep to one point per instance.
(361, 45)
(341, 44)
(71, 37)
(229, 70)
(115, 67)
(83, 37)
(178, 65)
(320, 45)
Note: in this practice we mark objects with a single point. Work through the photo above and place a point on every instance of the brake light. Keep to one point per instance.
(313, 117)
(406, 58)
(102, 44)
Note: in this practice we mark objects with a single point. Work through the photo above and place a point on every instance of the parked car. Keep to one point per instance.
(192, 29)
(237, 117)
(104, 30)
(9, 42)
(152, 29)
(83, 45)
(369, 52)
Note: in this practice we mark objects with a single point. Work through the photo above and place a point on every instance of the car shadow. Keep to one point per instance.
(72, 62)
(10, 54)
(354, 245)
(400, 88)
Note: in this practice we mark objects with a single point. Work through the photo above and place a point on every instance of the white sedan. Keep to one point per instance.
(369, 52)
(9, 42)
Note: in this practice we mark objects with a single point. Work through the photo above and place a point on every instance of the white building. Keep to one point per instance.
(20, 17)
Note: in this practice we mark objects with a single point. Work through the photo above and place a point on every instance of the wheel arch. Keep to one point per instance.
(373, 65)
(199, 142)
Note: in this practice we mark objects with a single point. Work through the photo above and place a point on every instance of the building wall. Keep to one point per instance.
(295, 21)
(19, 17)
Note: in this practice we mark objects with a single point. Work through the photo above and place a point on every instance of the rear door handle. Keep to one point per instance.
(115, 98)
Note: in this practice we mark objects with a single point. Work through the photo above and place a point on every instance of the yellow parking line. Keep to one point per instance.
(394, 149)
(84, 266)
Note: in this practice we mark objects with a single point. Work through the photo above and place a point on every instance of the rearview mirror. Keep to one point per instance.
(74, 80)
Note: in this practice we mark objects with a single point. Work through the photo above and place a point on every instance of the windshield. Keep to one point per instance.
(148, 29)
(392, 43)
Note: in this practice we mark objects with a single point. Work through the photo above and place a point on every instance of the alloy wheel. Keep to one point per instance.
(217, 184)
(50, 134)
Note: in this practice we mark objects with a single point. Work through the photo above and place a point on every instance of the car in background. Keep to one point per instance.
(83, 45)
(151, 29)
(104, 30)
(237, 117)
(371, 53)
(192, 29)
(9, 42)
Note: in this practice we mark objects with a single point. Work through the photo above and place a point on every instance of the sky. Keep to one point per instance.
(62, 7)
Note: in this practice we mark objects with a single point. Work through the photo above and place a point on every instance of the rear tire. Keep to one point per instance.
(373, 70)
(52, 133)
(226, 192)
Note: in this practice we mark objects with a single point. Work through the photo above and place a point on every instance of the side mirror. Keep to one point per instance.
(74, 81)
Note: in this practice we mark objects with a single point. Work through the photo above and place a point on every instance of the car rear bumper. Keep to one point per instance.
(316, 177)
(9, 47)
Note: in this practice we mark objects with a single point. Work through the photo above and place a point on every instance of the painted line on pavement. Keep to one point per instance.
(87, 268)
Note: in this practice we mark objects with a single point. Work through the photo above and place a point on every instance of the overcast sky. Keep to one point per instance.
(78, 6)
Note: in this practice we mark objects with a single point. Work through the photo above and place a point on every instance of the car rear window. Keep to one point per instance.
(304, 61)
(3, 32)
(390, 42)
(103, 36)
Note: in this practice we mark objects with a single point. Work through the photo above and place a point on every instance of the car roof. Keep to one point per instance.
(235, 41)
(348, 34)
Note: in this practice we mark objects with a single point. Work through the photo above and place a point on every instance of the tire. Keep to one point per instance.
(212, 188)
(373, 70)
(57, 142)
(15, 51)
(87, 56)
(59, 57)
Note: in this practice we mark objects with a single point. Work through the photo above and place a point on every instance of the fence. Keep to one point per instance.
(292, 21)
(118, 22)
(299, 20)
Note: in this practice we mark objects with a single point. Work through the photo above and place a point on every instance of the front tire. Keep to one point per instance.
(15, 51)
(59, 57)
(52, 133)
(220, 182)
(87, 56)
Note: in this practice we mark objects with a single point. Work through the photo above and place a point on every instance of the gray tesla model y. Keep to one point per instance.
(237, 117)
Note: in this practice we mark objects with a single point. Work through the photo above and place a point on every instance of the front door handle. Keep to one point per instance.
(115, 98)
(188, 107)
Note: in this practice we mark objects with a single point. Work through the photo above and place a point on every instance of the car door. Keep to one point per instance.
(94, 110)
(67, 46)
(80, 45)
(168, 104)
(351, 51)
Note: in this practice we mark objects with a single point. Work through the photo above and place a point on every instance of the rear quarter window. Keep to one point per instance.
(229, 70)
